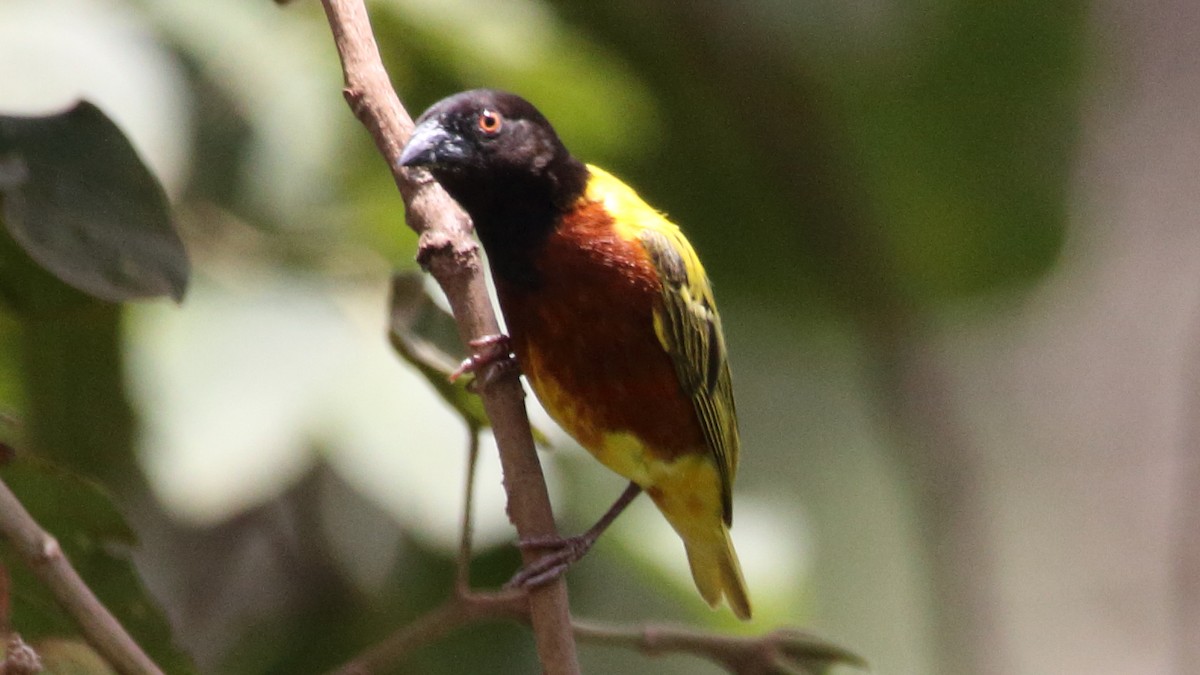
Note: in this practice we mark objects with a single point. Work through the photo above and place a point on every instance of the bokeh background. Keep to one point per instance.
(955, 246)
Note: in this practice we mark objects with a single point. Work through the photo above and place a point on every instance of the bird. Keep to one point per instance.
(610, 317)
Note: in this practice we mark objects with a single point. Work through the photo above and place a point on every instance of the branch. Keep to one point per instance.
(42, 554)
(461, 609)
(462, 572)
(780, 652)
(449, 253)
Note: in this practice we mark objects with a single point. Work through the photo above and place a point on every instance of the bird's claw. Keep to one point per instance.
(562, 553)
(492, 359)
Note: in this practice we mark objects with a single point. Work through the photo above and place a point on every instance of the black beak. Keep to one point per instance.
(432, 145)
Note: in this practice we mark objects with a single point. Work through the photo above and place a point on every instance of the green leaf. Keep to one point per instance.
(29, 291)
(813, 653)
(79, 200)
(97, 541)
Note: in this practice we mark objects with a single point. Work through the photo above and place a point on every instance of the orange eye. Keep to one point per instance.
(489, 122)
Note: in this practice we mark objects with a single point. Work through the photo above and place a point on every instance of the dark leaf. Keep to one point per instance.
(30, 291)
(79, 200)
(814, 653)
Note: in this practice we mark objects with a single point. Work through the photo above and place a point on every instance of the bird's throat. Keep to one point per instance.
(513, 240)
(515, 214)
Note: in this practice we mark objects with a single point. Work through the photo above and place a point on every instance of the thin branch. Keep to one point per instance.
(42, 554)
(460, 610)
(780, 651)
(449, 253)
(462, 574)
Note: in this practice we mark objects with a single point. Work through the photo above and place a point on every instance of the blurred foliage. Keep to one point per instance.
(418, 331)
(845, 161)
(413, 319)
(927, 161)
(96, 540)
(80, 202)
(81, 209)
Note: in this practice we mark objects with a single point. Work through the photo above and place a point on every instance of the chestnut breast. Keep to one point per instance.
(584, 337)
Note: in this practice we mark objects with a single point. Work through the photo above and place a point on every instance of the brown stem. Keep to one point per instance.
(449, 253)
(458, 611)
(42, 554)
(779, 651)
(782, 651)
(462, 575)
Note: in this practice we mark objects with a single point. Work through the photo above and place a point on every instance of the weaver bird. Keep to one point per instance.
(610, 316)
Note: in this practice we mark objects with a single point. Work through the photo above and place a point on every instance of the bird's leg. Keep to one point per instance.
(493, 357)
(563, 552)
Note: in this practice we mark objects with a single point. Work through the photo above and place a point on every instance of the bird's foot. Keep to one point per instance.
(492, 359)
(562, 552)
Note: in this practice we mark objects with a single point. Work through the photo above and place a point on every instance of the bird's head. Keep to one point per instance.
(488, 142)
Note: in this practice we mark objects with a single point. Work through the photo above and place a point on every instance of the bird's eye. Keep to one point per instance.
(489, 122)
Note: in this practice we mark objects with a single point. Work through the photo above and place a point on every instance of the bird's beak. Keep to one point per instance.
(432, 145)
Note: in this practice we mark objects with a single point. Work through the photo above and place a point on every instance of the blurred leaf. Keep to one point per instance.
(270, 84)
(310, 615)
(96, 540)
(968, 143)
(597, 102)
(28, 290)
(916, 161)
(80, 202)
(813, 653)
(412, 309)
(74, 406)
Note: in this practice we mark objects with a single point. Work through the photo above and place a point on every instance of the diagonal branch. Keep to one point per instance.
(42, 554)
(462, 573)
(461, 609)
(779, 652)
(449, 253)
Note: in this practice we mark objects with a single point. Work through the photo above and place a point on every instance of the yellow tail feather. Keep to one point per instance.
(717, 573)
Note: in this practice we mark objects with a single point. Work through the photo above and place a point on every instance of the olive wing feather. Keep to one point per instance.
(689, 328)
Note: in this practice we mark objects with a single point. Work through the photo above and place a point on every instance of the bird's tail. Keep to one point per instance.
(717, 572)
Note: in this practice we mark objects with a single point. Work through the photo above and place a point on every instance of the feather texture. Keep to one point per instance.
(687, 325)
(609, 311)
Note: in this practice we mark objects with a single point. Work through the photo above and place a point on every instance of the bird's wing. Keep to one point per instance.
(689, 328)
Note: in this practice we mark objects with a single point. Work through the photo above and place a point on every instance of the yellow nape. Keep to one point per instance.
(633, 218)
(631, 215)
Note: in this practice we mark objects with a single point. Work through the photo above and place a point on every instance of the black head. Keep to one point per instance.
(500, 159)
(492, 150)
